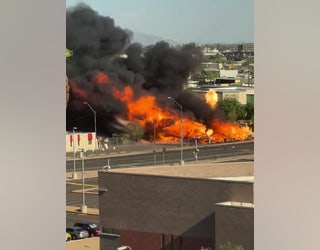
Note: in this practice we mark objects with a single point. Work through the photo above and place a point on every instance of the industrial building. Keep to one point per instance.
(189, 207)
(242, 94)
(75, 141)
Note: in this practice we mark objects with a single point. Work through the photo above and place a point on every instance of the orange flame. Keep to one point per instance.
(101, 78)
(147, 113)
(78, 91)
(211, 98)
(229, 132)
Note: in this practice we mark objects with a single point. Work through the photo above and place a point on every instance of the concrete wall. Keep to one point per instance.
(241, 96)
(228, 73)
(234, 224)
(161, 204)
(143, 241)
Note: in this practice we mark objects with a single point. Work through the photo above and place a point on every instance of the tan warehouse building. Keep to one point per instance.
(190, 207)
(81, 140)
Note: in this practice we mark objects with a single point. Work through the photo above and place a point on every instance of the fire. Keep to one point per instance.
(144, 110)
(166, 124)
(228, 131)
(211, 98)
(101, 78)
(78, 91)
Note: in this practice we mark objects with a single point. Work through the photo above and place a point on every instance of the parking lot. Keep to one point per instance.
(84, 244)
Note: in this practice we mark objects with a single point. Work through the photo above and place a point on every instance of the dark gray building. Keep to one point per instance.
(190, 207)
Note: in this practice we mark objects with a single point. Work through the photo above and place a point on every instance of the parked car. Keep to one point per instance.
(77, 233)
(68, 236)
(92, 228)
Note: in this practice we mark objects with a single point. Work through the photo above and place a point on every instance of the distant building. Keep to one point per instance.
(227, 81)
(80, 140)
(228, 73)
(177, 208)
(240, 51)
(208, 52)
(241, 94)
(246, 47)
(211, 66)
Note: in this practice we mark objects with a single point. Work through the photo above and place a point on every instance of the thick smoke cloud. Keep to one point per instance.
(98, 45)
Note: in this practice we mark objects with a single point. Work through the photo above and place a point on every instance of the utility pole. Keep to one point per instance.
(83, 207)
(154, 143)
(74, 174)
(181, 129)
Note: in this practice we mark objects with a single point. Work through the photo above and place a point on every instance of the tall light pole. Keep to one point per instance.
(196, 151)
(154, 143)
(74, 174)
(83, 207)
(181, 129)
(95, 123)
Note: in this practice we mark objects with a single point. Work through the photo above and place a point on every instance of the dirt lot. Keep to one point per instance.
(84, 244)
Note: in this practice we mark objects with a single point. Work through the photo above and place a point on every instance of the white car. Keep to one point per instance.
(77, 233)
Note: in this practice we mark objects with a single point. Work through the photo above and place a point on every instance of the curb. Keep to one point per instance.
(76, 210)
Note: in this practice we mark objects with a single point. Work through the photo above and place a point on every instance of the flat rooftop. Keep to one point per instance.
(235, 204)
(237, 178)
(235, 171)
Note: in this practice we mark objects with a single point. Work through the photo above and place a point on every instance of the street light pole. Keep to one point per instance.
(83, 207)
(95, 123)
(196, 151)
(181, 129)
(154, 143)
(74, 174)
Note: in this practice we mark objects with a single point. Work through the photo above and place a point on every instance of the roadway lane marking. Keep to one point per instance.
(86, 191)
(80, 184)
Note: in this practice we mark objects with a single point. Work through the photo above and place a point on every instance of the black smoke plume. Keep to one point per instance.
(99, 45)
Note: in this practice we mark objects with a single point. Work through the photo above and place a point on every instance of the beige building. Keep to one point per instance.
(228, 73)
(241, 94)
(211, 66)
(81, 140)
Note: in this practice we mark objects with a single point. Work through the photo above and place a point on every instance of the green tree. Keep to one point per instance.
(232, 108)
(249, 110)
(250, 114)
(69, 54)
(135, 130)
(202, 75)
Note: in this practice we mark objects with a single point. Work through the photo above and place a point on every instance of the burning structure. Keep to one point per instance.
(135, 87)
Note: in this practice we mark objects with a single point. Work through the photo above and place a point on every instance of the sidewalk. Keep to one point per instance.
(138, 148)
(87, 174)
(128, 149)
(84, 244)
(77, 210)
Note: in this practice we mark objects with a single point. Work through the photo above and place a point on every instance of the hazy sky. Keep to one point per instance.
(201, 21)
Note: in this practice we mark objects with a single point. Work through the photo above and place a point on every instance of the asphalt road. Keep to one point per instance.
(73, 218)
(74, 193)
(170, 156)
(74, 198)
(74, 187)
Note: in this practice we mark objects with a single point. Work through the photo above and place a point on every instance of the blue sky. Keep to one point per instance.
(201, 21)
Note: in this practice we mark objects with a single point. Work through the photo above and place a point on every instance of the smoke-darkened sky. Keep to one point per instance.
(99, 46)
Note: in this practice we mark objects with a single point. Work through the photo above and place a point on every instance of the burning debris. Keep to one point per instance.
(125, 82)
